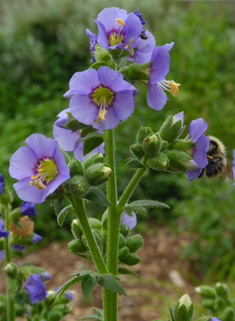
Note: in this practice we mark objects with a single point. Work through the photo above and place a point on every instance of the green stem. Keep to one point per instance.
(110, 298)
(10, 302)
(79, 209)
(131, 186)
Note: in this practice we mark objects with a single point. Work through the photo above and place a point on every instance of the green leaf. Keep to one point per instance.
(149, 204)
(21, 297)
(125, 271)
(14, 284)
(135, 163)
(98, 316)
(135, 208)
(98, 64)
(91, 141)
(92, 135)
(96, 195)
(74, 124)
(62, 215)
(108, 281)
(88, 284)
(17, 253)
(83, 272)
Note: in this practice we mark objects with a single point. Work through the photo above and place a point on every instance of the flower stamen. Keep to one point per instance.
(169, 85)
(46, 172)
(120, 21)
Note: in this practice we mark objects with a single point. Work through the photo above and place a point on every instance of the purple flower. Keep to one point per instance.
(130, 221)
(202, 143)
(2, 183)
(157, 84)
(117, 29)
(40, 168)
(45, 275)
(2, 254)
(18, 247)
(68, 139)
(214, 319)
(144, 48)
(140, 16)
(67, 294)
(3, 232)
(35, 288)
(93, 42)
(36, 238)
(100, 98)
(27, 208)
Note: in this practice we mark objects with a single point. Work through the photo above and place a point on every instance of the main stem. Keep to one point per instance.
(110, 297)
(10, 302)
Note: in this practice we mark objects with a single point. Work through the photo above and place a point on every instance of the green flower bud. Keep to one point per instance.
(219, 304)
(97, 235)
(6, 197)
(93, 159)
(180, 161)
(77, 246)
(182, 144)
(10, 269)
(142, 133)
(45, 312)
(134, 243)
(158, 162)
(124, 230)
(55, 316)
(2, 244)
(100, 53)
(228, 314)
(183, 310)
(171, 130)
(206, 291)
(122, 241)
(94, 223)
(208, 303)
(222, 290)
(76, 229)
(78, 185)
(97, 174)
(63, 308)
(132, 259)
(50, 299)
(151, 145)
(137, 150)
(76, 167)
(123, 253)
(15, 214)
(104, 221)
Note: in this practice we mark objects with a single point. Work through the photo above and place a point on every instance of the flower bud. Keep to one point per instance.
(93, 159)
(124, 230)
(228, 314)
(123, 253)
(171, 129)
(76, 229)
(182, 144)
(55, 316)
(206, 291)
(10, 269)
(6, 197)
(136, 71)
(77, 246)
(219, 304)
(151, 145)
(183, 310)
(208, 303)
(75, 167)
(97, 235)
(100, 53)
(50, 299)
(97, 174)
(142, 133)
(222, 290)
(62, 307)
(134, 243)
(94, 223)
(158, 162)
(77, 185)
(137, 150)
(179, 161)
(132, 259)
(122, 241)
(15, 215)
(104, 221)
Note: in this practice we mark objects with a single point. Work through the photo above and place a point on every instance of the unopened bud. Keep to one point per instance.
(134, 243)
(158, 162)
(142, 133)
(206, 291)
(6, 197)
(137, 150)
(50, 298)
(10, 269)
(94, 223)
(182, 144)
(183, 310)
(151, 145)
(122, 241)
(208, 303)
(77, 246)
(228, 314)
(222, 290)
(97, 235)
(78, 185)
(76, 167)
(93, 159)
(124, 230)
(76, 229)
(179, 161)
(55, 316)
(132, 259)
(171, 129)
(97, 174)
(123, 253)
(219, 303)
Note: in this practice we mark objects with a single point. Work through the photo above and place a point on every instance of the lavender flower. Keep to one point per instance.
(130, 221)
(35, 288)
(45, 276)
(27, 208)
(140, 16)
(100, 98)
(2, 183)
(40, 168)
(3, 232)
(117, 29)
(68, 295)
(2, 254)
(36, 238)
(214, 319)
(68, 139)
(18, 247)
(202, 143)
(144, 47)
(93, 42)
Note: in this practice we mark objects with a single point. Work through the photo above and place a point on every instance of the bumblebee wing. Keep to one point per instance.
(229, 171)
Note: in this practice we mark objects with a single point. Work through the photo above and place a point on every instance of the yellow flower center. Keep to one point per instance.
(46, 172)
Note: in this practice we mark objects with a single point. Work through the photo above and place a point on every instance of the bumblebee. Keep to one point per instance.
(218, 164)
(143, 35)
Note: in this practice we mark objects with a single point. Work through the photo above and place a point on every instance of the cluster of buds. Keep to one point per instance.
(216, 299)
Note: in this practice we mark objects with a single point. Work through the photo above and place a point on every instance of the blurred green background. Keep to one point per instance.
(42, 43)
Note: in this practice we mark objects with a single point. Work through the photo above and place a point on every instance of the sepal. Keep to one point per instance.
(97, 174)
(77, 185)
(93, 159)
(158, 162)
(137, 150)
(76, 167)
(151, 145)
(171, 130)
(142, 133)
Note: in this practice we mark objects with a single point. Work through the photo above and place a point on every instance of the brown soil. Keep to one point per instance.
(165, 277)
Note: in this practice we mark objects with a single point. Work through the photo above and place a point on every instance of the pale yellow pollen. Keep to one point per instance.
(41, 184)
(102, 114)
(174, 87)
(120, 21)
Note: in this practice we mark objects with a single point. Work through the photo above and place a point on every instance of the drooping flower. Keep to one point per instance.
(2, 183)
(45, 276)
(93, 42)
(68, 139)
(36, 238)
(35, 288)
(27, 208)
(40, 168)
(157, 71)
(117, 29)
(214, 319)
(100, 98)
(3, 232)
(202, 143)
(130, 221)
(144, 47)
(68, 294)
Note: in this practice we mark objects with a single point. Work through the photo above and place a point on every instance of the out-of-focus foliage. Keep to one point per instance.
(42, 43)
